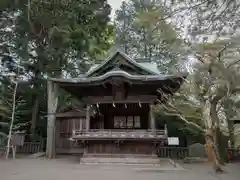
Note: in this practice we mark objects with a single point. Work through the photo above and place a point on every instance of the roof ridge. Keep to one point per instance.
(126, 57)
(139, 60)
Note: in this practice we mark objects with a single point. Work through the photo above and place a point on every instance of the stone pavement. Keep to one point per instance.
(62, 169)
(231, 171)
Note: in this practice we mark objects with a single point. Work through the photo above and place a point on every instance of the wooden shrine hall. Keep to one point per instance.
(118, 118)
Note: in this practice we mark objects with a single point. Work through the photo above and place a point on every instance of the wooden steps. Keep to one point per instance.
(120, 159)
(113, 155)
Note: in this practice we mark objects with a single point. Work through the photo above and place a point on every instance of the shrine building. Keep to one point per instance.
(117, 118)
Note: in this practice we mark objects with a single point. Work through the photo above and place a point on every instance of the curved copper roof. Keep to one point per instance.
(119, 73)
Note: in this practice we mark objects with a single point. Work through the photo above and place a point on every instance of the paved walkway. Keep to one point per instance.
(62, 169)
(231, 171)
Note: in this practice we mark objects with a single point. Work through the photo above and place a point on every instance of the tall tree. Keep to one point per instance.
(56, 38)
(214, 81)
(204, 19)
(143, 33)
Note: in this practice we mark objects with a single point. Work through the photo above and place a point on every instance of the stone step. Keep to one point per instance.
(119, 159)
(120, 155)
(36, 155)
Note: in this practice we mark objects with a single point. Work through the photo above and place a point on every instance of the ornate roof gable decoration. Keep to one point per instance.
(120, 64)
(121, 78)
(120, 61)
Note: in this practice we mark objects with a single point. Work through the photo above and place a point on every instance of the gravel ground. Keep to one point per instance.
(63, 169)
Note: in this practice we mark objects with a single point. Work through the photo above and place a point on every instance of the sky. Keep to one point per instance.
(115, 4)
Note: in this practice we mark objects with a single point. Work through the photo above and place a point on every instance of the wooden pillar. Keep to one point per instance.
(80, 124)
(152, 119)
(52, 89)
(87, 127)
(88, 118)
(165, 129)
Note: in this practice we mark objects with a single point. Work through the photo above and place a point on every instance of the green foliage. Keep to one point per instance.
(69, 34)
(177, 128)
(49, 38)
(206, 19)
(21, 111)
(143, 32)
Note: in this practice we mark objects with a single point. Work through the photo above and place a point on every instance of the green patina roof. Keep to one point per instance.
(122, 74)
(152, 66)
(146, 71)
(147, 67)
(119, 65)
(93, 67)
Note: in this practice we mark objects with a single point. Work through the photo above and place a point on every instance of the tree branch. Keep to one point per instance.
(177, 113)
(233, 63)
(221, 52)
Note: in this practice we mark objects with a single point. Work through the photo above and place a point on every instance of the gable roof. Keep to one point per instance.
(151, 66)
(148, 67)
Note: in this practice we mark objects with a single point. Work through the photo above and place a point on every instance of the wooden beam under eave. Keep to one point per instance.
(129, 99)
(71, 115)
(52, 92)
(104, 85)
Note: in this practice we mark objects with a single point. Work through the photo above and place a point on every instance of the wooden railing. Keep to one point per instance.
(27, 147)
(2, 141)
(173, 152)
(30, 147)
(119, 134)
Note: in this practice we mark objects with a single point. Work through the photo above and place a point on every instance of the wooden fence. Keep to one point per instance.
(30, 147)
(173, 152)
(2, 141)
(2, 145)
(183, 152)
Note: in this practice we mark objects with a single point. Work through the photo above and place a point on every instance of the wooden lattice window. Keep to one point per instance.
(119, 122)
(130, 122)
(137, 122)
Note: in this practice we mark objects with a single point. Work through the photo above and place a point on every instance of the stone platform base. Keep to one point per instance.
(120, 159)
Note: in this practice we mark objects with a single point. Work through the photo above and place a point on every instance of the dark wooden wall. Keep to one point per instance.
(126, 147)
(109, 111)
(64, 128)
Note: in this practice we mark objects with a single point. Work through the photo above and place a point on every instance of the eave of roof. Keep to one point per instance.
(83, 80)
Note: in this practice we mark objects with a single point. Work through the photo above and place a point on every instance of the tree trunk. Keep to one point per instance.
(34, 116)
(223, 147)
(12, 120)
(212, 137)
(219, 145)
(212, 150)
(218, 151)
